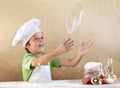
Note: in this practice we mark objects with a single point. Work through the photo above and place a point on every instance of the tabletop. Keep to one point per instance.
(56, 84)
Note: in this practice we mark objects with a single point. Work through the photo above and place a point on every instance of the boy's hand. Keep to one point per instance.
(65, 46)
(85, 47)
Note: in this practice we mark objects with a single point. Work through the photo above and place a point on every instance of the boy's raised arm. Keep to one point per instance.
(64, 47)
(83, 50)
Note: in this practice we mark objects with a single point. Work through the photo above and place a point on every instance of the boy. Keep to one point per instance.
(36, 64)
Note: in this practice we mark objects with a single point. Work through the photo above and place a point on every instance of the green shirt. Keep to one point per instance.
(27, 69)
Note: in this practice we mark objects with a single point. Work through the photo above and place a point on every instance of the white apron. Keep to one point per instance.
(41, 73)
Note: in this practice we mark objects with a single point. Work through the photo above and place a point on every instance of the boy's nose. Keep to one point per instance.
(41, 40)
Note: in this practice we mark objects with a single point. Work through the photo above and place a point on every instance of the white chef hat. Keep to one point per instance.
(26, 31)
(92, 66)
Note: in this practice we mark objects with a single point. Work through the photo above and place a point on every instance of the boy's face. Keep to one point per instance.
(36, 43)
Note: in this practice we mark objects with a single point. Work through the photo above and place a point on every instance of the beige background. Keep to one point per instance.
(100, 22)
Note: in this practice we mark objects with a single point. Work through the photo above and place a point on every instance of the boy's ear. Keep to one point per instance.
(27, 46)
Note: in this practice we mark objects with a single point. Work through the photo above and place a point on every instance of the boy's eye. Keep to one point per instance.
(39, 38)
(36, 38)
(42, 37)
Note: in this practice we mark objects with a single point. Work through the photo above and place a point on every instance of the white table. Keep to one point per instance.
(56, 84)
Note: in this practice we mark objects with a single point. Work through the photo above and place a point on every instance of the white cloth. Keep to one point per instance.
(41, 73)
(26, 31)
(93, 66)
(93, 69)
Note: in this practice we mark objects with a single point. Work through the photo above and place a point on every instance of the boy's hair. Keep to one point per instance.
(28, 43)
